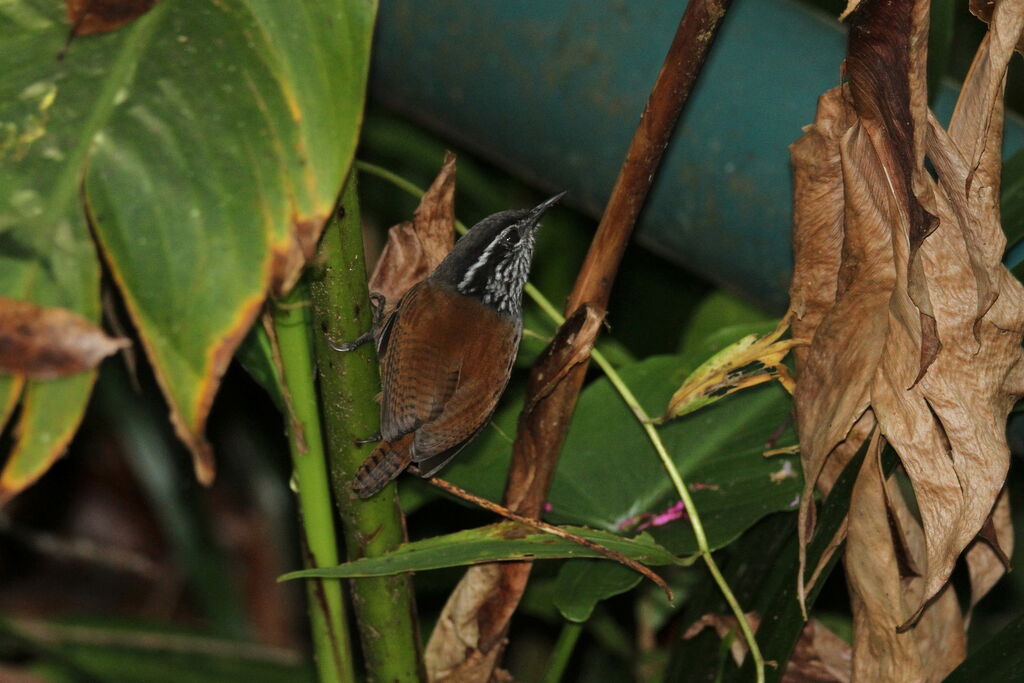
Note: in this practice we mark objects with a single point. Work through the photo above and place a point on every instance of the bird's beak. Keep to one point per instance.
(541, 208)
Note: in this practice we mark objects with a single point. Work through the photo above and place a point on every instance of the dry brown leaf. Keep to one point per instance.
(44, 343)
(723, 625)
(820, 656)
(880, 653)
(987, 558)
(983, 10)
(453, 653)
(414, 248)
(915, 326)
(89, 17)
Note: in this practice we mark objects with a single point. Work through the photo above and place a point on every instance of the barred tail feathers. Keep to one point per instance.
(385, 463)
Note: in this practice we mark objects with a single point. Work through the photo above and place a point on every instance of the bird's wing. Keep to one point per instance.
(489, 353)
(418, 374)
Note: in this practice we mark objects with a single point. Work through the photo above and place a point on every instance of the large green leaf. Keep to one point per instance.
(582, 584)
(49, 112)
(609, 474)
(1000, 659)
(495, 542)
(211, 140)
(716, 312)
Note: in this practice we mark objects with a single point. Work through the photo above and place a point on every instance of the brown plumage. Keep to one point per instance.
(446, 351)
(445, 361)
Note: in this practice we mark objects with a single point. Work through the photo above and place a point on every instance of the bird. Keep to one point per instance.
(446, 349)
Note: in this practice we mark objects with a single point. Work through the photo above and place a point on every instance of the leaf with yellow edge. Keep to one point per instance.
(748, 362)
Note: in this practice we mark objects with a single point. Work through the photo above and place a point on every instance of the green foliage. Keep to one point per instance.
(1000, 659)
(610, 476)
(581, 584)
(205, 140)
(706, 333)
(496, 542)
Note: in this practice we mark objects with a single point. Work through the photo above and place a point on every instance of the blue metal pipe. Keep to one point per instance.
(552, 91)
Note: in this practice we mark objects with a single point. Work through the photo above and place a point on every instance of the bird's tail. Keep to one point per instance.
(384, 464)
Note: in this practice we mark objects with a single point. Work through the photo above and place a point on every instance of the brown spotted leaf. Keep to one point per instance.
(414, 248)
(45, 343)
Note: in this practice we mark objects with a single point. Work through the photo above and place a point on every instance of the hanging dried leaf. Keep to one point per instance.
(820, 656)
(44, 343)
(983, 10)
(988, 557)
(746, 363)
(90, 17)
(414, 248)
(916, 327)
(454, 652)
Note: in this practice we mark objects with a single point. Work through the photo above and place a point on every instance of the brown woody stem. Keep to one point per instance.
(542, 430)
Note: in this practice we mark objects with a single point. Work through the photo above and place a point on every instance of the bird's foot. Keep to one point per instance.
(373, 439)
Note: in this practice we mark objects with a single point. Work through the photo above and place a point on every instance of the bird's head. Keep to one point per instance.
(492, 260)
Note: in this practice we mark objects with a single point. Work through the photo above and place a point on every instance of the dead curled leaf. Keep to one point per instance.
(572, 345)
(414, 248)
(454, 652)
(916, 331)
(748, 362)
(90, 17)
(820, 656)
(46, 343)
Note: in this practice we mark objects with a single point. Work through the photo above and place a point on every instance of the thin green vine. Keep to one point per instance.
(703, 549)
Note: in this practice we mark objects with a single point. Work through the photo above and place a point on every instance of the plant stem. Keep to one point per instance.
(563, 651)
(691, 510)
(704, 550)
(348, 382)
(332, 646)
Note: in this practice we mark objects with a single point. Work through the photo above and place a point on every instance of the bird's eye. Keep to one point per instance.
(510, 239)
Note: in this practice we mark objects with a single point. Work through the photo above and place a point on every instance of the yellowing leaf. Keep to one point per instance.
(748, 362)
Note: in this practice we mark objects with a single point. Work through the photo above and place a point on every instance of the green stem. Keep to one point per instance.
(606, 366)
(704, 550)
(560, 656)
(384, 606)
(332, 647)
